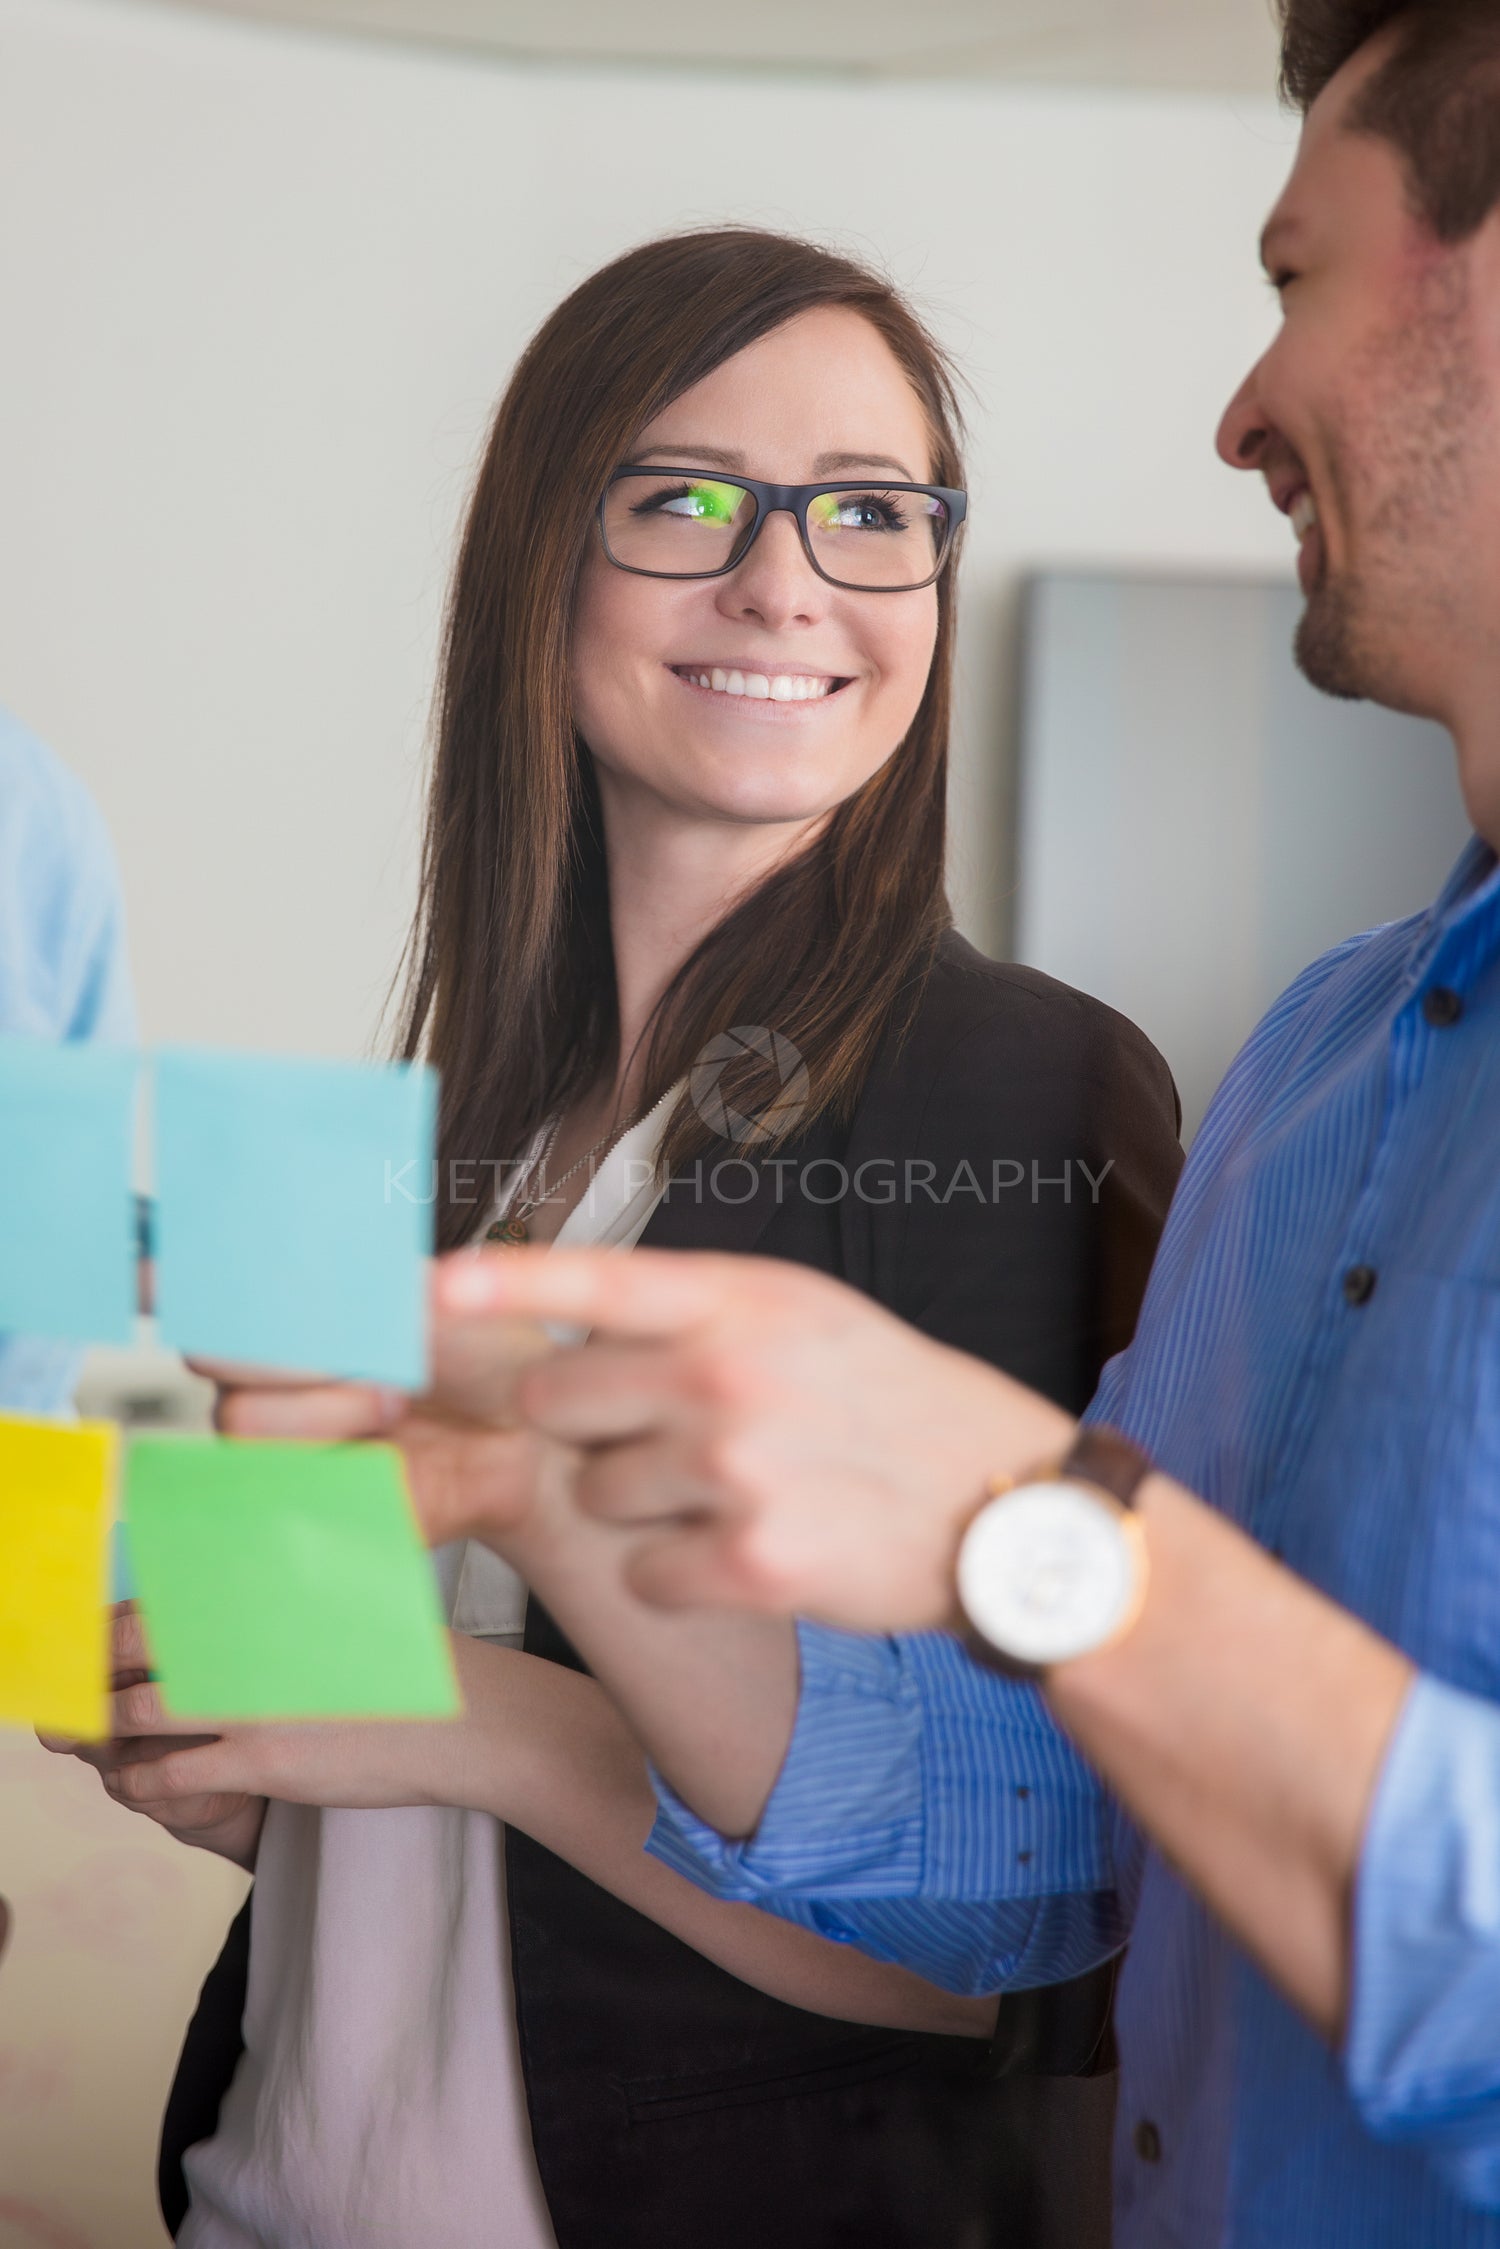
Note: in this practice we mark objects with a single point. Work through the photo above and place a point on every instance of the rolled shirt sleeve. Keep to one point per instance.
(1422, 2054)
(928, 1811)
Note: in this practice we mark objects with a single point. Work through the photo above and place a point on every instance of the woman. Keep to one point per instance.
(683, 919)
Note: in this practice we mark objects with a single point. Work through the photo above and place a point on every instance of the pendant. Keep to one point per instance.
(509, 1233)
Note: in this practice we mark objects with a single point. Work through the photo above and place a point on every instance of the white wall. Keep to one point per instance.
(257, 293)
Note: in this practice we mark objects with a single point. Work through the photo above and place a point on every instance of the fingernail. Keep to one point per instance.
(466, 1285)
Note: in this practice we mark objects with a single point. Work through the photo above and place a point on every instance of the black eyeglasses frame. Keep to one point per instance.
(793, 500)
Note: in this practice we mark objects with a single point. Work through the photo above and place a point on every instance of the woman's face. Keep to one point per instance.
(821, 396)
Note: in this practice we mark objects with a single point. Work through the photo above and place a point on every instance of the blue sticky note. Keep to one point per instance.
(294, 1207)
(67, 1243)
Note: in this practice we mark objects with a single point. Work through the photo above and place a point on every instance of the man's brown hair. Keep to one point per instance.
(1436, 97)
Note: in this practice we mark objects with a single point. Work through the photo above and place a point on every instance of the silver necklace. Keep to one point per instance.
(512, 1231)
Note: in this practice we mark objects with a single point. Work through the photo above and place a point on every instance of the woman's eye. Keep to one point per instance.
(692, 503)
(861, 511)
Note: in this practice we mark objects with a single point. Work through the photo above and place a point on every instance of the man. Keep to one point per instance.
(1267, 1609)
(1285, 1659)
(63, 970)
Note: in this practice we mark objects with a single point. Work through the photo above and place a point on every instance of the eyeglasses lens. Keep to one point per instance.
(878, 538)
(679, 527)
(688, 527)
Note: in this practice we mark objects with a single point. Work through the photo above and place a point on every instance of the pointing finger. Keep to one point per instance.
(649, 1293)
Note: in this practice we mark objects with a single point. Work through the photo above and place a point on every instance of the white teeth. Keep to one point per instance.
(1304, 515)
(763, 687)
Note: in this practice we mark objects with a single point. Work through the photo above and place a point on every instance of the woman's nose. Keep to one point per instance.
(775, 583)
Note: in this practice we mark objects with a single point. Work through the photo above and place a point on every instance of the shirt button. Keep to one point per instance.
(1147, 2141)
(1442, 1007)
(1359, 1284)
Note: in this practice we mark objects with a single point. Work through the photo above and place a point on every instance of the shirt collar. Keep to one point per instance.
(1466, 911)
(1475, 879)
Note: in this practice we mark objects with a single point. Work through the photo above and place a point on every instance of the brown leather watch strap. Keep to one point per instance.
(1102, 1456)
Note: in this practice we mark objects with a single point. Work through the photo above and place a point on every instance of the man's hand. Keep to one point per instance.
(776, 1441)
(474, 1471)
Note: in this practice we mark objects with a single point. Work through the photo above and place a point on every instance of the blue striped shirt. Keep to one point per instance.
(63, 972)
(1319, 1356)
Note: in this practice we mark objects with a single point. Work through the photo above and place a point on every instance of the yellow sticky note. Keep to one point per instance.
(55, 1480)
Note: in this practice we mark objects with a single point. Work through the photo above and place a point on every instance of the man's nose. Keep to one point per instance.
(1245, 430)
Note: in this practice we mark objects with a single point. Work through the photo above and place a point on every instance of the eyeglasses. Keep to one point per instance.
(873, 537)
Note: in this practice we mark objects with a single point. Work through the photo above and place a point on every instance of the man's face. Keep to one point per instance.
(1375, 420)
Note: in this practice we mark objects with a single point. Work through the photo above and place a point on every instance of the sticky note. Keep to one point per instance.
(283, 1580)
(67, 1251)
(55, 1505)
(294, 1212)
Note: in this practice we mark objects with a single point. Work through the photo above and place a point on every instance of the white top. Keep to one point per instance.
(379, 2102)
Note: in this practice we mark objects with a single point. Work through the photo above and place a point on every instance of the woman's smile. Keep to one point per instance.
(779, 692)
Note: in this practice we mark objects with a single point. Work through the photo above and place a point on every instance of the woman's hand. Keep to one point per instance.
(211, 1789)
(226, 1821)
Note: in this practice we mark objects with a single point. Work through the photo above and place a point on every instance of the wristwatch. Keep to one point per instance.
(1054, 1564)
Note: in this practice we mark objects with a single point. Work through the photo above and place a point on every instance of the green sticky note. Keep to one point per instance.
(283, 1580)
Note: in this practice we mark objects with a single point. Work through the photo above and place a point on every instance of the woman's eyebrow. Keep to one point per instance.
(724, 457)
(718, 456)
(834, 464)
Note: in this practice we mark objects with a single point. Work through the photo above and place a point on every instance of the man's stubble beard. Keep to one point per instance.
(1422, 402)
(1330, 644)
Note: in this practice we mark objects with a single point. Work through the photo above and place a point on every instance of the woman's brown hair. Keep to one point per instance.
(511, 990)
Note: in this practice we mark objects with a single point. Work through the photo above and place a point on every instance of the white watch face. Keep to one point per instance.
(1048, 1571)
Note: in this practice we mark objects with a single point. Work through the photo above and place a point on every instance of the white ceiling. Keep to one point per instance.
(1212, 45)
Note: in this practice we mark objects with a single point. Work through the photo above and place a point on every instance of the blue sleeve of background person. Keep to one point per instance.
(64, 971)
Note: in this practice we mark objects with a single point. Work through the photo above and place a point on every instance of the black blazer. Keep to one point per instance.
(1002, 1185)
